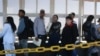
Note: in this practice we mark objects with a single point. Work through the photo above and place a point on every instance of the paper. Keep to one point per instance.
(37, 43)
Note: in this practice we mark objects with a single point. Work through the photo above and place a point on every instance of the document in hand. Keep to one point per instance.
(37, 43)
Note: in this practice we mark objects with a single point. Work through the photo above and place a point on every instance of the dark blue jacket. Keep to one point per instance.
(54, 33)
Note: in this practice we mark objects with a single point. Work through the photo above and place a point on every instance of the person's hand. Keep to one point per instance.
(36, 39)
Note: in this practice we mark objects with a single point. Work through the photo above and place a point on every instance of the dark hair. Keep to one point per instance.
(90, 18)
(99, 20)
(42, 11)
(11, 22)
(69, 17)
(21, 10)
(73, 13)
(56, 16)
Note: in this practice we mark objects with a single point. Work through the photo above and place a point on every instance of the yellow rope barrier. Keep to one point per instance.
(52, 48)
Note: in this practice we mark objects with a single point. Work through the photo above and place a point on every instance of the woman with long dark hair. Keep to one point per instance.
(8, 35)
(88, 28)
(89, 33)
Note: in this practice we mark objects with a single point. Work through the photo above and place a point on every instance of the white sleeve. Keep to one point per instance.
(4, 30)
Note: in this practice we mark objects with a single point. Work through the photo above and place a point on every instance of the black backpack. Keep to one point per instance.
(29, 26)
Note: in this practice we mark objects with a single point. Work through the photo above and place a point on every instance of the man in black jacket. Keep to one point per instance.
(69, 35)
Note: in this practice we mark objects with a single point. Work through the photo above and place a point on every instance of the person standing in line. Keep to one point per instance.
(96, 51)
(89, 33)
(54, 33)
(73, 16)
(39, 29)
(88, 29)
(8, 34)
(22, 31)
(69, 35)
